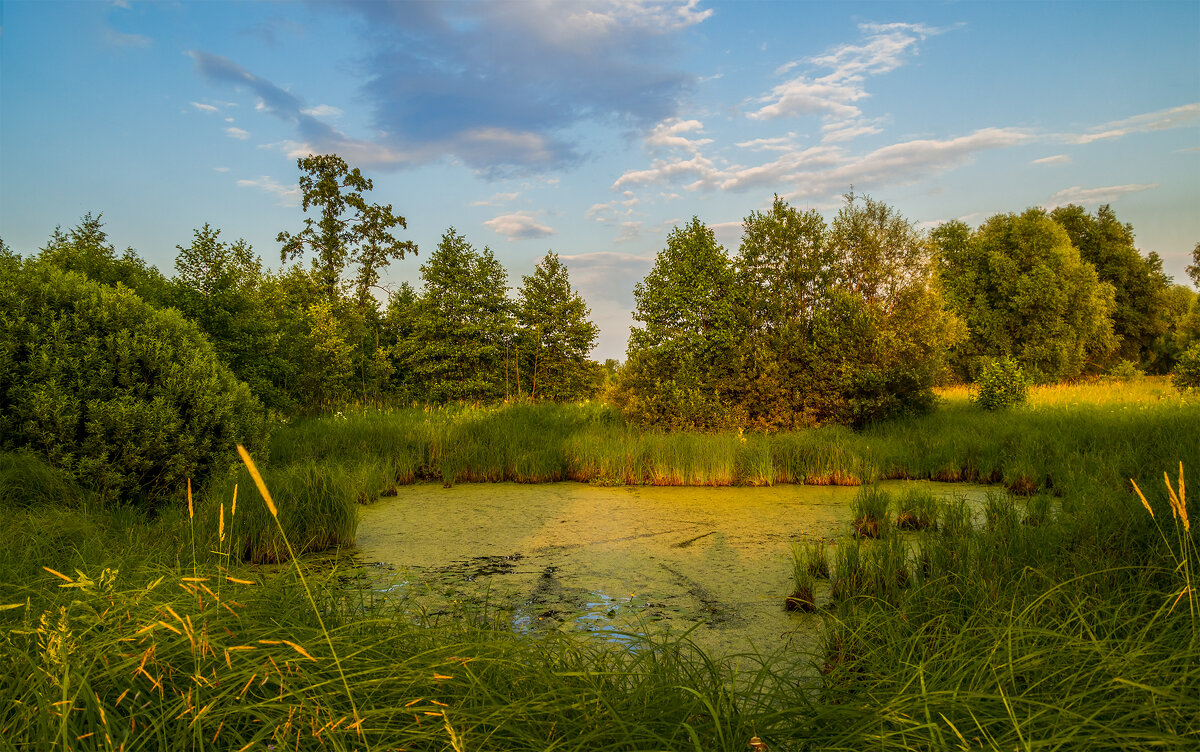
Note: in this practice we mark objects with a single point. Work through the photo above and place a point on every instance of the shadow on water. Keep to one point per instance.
(618, 561)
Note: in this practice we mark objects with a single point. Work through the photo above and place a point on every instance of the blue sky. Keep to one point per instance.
(592, 127)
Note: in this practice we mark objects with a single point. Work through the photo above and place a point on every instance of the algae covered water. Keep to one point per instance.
(612, 559)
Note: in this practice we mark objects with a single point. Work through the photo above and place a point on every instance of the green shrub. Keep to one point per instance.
(1001, 384)
(1125, 370)
(1187, 369)
(128, 399)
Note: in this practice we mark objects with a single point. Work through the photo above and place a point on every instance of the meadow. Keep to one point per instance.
(1067, 618)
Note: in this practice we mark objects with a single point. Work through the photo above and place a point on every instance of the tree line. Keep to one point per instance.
(809, 322)
(314, 335)
(857, 320)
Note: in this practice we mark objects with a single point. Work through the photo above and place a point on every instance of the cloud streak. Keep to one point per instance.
(1161, 120)
(1092, 196)
(287, 195)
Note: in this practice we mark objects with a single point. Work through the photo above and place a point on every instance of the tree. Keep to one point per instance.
(1024, 291)
(784, 269)
(895, 309)
(1138, 282)
(349, 230)
(219, 286)
(461, 325)
(1193, 269)
(554, 335)
(86, 249)
(682, 368)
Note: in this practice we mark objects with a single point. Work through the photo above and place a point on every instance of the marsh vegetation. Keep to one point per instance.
(156, 594)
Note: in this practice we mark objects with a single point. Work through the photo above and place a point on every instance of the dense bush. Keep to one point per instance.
(1187, 369)
(1001, 384)
(129, 399)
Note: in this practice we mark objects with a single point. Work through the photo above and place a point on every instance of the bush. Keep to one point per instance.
(1187, 369)
(1125, 370)
(128, 399)
(1001, 384)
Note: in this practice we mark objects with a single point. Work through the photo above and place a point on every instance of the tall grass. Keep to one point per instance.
(1067, 619)
(209, 654)
(1081, 435)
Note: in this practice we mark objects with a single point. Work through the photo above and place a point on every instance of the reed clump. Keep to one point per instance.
(869, 512)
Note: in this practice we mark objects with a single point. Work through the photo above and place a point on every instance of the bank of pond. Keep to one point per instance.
(1053, 607)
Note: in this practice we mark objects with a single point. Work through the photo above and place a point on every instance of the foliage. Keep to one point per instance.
(223, 288)
(681, 367)
(1024, 291)
(85, 249)
(1002, 384)
(884, 262)
(784, 272)
(461, 327)
(127, 398)
(1138, 281)
(1193, 269)
(1124, 370)
(350, 231)
(555, 336)
(1187, 369)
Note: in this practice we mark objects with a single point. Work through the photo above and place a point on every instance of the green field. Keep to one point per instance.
(1066, 619)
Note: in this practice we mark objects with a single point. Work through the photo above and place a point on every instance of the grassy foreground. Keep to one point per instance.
(1068, 619)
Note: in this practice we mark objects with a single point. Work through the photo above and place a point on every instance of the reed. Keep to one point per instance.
(869, 512)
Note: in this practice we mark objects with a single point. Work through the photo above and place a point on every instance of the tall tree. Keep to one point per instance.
(1193, 269)
(218, 285)
(784, 268)
(889, 298)
(348, 231)
(462, 324)
(555, 335)
(682, 366)
(1024, 291)
(1139, 284)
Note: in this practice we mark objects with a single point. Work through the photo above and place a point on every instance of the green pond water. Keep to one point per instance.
(641, 559)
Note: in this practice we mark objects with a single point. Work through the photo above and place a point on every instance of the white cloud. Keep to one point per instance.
(519, 225)
(322, 110)
(777, 143)
(203, 107)
(667, 170)
(287, 195)
(1089, 196)
(238, 133)
(1057, 159)
(1174, 117)
(496, 199)
(630, 231)
(668, 135)
(823, 169)
(221, 169)
(849, 130)
(833, 95)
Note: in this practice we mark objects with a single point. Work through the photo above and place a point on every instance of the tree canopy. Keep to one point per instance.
(1024, 291)
(348, 231)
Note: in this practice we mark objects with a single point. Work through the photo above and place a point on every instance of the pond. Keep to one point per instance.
(641, 559)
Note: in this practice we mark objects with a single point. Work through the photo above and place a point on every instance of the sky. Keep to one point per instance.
(591, 128)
